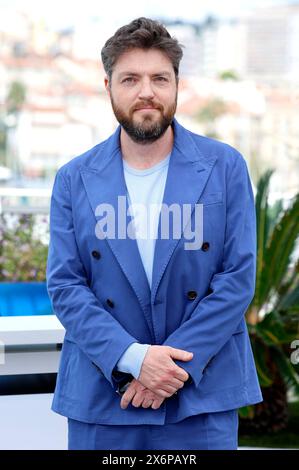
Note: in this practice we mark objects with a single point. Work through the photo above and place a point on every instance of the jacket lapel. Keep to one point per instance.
(104, 182)
(188, 174)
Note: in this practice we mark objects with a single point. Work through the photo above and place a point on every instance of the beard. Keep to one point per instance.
(150, 128)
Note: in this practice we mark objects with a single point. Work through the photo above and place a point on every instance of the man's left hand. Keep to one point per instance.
(140, 396)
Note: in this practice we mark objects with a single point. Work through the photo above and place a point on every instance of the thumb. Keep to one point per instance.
(180, 354)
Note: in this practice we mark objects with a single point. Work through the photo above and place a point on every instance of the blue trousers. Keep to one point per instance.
(207, 431)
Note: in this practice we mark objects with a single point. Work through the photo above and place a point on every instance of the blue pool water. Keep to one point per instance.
(24, 298)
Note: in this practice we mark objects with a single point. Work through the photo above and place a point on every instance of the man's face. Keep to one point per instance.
(143, 93)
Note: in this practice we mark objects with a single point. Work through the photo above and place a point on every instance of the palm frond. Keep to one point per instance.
(262, 226)
(260, 354)
(278, 253)
(288, 297)
(272, 330)
(286, 369)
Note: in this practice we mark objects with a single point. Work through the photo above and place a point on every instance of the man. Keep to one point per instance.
(156, 353)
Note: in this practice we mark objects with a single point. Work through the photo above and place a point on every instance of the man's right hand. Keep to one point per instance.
(160, 373)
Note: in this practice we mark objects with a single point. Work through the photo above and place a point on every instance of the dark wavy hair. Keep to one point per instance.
(142, 33)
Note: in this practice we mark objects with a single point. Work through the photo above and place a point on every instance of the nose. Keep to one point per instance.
(146, 91)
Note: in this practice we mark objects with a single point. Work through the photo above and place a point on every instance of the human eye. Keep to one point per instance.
(129, 80)
(161, 78)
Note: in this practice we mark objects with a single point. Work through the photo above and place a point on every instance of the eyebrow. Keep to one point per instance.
(134, 74)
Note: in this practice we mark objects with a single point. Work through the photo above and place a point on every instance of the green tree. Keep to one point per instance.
(273, 316)
(228, 75)
(23, 256)
(211, 111)
(15, 98)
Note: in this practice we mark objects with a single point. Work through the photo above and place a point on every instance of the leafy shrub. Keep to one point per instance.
(23, 247)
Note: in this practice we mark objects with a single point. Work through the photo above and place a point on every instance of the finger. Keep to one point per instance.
(177, 384)
(169, 388)
(162, 393)
(181, 374)
(180, 354)
(138, 399)
(147, 403)
(148, 398)
(157, 403)
(127, 397)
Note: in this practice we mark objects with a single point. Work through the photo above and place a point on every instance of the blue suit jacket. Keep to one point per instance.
(211, 324)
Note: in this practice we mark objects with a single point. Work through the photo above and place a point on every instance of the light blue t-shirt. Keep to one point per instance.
(145, 190)
(145, 195)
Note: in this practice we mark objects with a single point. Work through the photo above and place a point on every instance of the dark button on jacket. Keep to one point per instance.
(96, 254)
(192, 294)
(110, 303)
(205, 246)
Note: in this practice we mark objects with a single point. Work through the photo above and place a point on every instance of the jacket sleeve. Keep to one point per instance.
(89, 325)
(217, 316)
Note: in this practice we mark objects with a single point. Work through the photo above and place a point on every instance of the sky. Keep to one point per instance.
(61, 14)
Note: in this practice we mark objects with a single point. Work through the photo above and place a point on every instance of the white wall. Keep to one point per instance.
(27, 423)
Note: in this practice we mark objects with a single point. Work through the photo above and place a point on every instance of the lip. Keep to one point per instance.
(145, 109)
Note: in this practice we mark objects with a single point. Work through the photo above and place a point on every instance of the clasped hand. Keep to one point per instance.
(160, 377)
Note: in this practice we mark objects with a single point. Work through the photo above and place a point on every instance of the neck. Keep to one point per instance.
(141, 156)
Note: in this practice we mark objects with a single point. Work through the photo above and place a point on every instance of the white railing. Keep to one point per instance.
(24, 200)
(28, 344)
